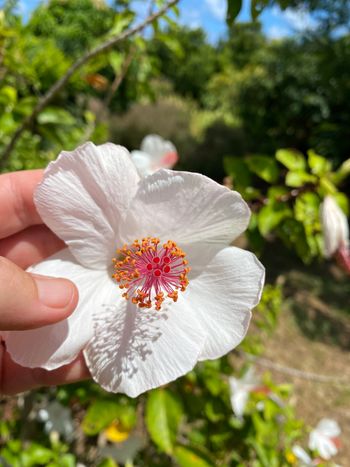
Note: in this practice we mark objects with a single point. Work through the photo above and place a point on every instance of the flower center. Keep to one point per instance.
(150, 272)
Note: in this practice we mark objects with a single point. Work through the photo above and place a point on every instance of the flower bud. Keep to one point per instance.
(334, 226)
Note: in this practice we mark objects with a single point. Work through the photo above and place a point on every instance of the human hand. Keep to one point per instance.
(27, 300)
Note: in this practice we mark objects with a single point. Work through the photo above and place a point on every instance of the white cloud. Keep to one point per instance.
(298, 19)
(341, 31)
(217, 8)
(277, 32)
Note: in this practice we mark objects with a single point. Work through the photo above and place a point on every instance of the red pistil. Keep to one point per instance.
(150, 272)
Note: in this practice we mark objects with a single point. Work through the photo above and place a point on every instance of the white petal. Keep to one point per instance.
(83, 198)
(247, 383)
(58, 344)
(250, 378)
(322, 444)
(187, 208)
(238, 396)
(135, 350)
(322, 438)
(239, 401)
(334, 226)
(327, 449)
(301, 455)
(143, 163)
(328, 427)
(222, 295)
(240, 389)
(158, 148)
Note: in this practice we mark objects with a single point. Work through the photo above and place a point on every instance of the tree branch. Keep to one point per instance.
(119, 78)
(59, 85)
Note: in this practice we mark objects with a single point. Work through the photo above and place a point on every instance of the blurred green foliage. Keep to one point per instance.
(64, 22)
(287, 203)
(235, 108)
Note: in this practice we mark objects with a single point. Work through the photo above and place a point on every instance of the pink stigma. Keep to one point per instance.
(150, 272)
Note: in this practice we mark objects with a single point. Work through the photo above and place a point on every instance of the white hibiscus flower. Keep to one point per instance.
(165, 318)
(324, 438)
(334, 226)
(240, 388)
(155, 153)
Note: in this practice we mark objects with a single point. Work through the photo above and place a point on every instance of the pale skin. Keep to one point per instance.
(27, 300)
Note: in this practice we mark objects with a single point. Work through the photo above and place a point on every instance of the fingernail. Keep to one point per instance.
(54, 293)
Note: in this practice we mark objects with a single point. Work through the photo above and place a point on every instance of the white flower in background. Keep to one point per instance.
(155, 153)
(334, 226)
(324, 438)
(162, 318)
(303, 457)
(240, 388)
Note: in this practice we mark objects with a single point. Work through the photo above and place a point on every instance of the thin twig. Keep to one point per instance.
(112, 90)
(315, 377)
(59, 85)
(119, 78)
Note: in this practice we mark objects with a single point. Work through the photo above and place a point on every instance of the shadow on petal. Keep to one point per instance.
(124, 337)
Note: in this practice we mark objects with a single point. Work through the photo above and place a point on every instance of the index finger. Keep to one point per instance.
(17, 208)
(15, 378)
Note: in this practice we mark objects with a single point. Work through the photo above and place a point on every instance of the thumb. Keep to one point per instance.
(30, 301)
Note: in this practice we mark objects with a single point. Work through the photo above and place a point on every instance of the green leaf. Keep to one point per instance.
(163, 416)
(237, 168)
(307, 207)
(342, 172)
(99, 415)
(25, 106)
(186, 457)
(56, 116)
(292, 233)
(37, 454)
(67, 460)
(233, 9)
(121, 22)
(214, 383)
(214, 410)
(172, 43)
(108, 462)
(8, 97)
(291, 158)
(277, 192)
(342, 201)
(299, 178)
(7, 123)
(271, 215)
(116, 60)
(14, 445)
(327, 187)
(170, 21)
(256, 7)
(319, 165)
(265, 167)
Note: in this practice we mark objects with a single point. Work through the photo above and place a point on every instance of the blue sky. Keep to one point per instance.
(210, 15)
